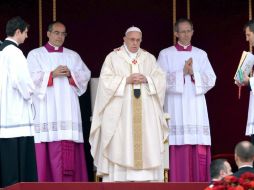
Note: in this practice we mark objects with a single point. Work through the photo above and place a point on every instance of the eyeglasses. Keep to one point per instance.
(57, 33)
(185, 32)
(138, 40)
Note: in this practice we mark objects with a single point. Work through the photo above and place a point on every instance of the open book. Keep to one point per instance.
(245, 65)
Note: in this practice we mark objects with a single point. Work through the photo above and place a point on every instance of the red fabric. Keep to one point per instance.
(107, 186)
(181, 48)
(192, 79)
(189, 163)
(71, 81)
(50, 82)
(51, 49)
(68, 157)
(51, 160)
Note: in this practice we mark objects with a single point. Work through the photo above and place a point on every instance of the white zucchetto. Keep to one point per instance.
(133, 29)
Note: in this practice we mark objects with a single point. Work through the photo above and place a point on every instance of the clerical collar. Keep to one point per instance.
(130, 54)
(10, 39)
(181, 47)
(50, 48)
(7, 42)
(243, 166)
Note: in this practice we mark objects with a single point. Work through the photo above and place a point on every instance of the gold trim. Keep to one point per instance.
(137, 131)
(166, 177)
(250, 17)
(54, 10)
(98, 178)
(250, 9)
(174, 20)
(188, 9)
(40, 22)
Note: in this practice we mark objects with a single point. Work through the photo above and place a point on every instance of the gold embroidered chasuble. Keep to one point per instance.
(127, 131)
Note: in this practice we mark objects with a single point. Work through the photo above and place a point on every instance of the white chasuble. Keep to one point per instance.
(112, 136)
(58, 114)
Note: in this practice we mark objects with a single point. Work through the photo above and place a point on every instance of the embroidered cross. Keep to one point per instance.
(134, 61)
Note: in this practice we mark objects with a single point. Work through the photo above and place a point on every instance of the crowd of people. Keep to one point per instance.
(41, 136)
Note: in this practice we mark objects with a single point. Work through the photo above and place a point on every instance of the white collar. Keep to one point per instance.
(250, 166)
(10, 39)
(130, 54)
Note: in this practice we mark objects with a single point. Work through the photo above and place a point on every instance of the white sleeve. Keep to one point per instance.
(39, 77)
(205, 77)
(81, 75)
(175, 79)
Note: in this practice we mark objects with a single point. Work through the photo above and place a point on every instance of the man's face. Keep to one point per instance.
(57, 35)
(21, 36)
(133, 40)
(249, 36)
(184, 33)
(228, 169)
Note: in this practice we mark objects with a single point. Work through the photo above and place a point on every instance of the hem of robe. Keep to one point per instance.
(249, 129)
(19, 164)
(118, 173)
(189, 163)
(61, 161)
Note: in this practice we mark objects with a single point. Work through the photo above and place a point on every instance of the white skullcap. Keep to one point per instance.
(133, 29)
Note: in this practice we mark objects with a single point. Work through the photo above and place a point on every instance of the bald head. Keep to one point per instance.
(244, 150)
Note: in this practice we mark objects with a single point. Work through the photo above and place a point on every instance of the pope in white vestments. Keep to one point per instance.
(60, 77)
(189, 77)
(128, 126)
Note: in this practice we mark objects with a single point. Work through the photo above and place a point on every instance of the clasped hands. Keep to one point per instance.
(61, 71)
(188, 70)
(136, 78)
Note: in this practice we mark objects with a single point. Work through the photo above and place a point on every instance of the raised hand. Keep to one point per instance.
(188, 70)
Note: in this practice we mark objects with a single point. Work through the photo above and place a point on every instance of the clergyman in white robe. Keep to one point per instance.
(185, 103)
(58, 125)
(189, 77)
(17, 150)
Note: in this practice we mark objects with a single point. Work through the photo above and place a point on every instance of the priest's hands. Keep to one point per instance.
(136, 78)
(61, 71)
(188, 70)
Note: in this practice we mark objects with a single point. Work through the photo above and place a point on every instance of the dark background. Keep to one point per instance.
(96, 27)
